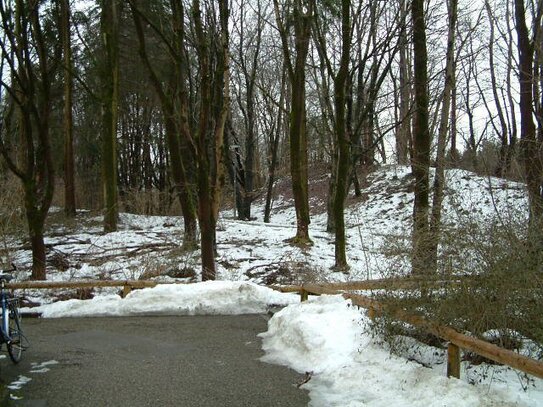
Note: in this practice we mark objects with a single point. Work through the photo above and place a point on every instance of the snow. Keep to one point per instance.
(207, 298)
(330, 338)
(325, 336)
(19, 383)
(42, 367)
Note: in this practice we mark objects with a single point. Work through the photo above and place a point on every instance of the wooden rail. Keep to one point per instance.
(407, 283)
(456, 339)
(128, 285)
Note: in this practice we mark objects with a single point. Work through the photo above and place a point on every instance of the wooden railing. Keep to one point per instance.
(457, 340)
(128, 285)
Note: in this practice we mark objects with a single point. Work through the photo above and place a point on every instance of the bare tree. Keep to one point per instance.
(439, 179)
(502, 130)
(248, 64)
(27, 106)
(421, 142)
(109, 27)
(209, 138)
(342, 136)
(301, 17)
(530, 146)
(403, 133)
(173, 96)
(274, 136)
(69, 167)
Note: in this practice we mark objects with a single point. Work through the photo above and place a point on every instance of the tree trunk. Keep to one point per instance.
(110, 83)
(529, 144)
(439, 179)
(402, 142)
(501, 168)
(303, 16)
(249, 66)
(274, 141)
(454, 155)
(342, 138)
(298, 158)
(511, 102)
(170, 93)
(204, 169)
(35, 227)
(69, 182)
(210, 140)
(180, 180)
(421, 143)
(30, 100)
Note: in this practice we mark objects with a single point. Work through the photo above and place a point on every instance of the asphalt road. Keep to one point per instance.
(150, 361)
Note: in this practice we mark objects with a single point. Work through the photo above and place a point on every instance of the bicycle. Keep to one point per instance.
(11, 332)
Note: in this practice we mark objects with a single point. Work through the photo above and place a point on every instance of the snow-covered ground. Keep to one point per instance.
(325, 336)
(148, 246)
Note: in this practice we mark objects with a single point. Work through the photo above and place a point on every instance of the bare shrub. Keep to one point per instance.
(175, 263)
(489, 282)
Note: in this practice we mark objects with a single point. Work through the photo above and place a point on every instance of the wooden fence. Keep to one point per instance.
(457, 340)
(128, 285)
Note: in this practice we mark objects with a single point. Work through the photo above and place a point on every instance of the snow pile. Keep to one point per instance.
(207, 298)
(291, 337)
(329, 338)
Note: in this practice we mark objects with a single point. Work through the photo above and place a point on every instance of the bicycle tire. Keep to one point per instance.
(15, 346)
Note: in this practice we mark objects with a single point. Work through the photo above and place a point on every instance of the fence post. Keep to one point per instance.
(126, 290)
(304, 295)
(453, 361)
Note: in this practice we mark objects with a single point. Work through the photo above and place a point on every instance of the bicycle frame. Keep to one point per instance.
(10, 325)
(5, 313)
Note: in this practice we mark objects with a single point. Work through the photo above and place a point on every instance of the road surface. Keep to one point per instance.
(149, 361)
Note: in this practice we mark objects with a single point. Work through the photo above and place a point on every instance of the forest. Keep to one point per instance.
(187, 107)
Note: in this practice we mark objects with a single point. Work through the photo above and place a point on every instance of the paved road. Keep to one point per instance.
(150, 361)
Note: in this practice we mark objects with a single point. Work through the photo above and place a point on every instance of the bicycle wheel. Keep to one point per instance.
(15, 346)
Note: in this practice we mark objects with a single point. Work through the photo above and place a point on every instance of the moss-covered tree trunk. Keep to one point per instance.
(35, 220)
(211, 125)
(30, 107)
(302, 17)
(179, 177)
(342, 138)
(298, 158)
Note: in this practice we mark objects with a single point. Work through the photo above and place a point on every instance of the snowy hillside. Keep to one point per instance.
(255, 251)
